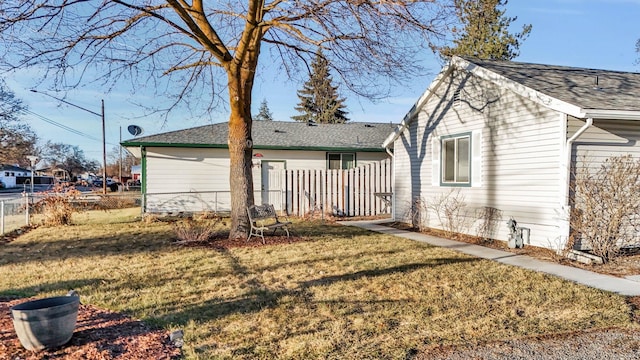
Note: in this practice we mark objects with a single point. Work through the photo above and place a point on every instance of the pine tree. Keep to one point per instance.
(319, 101)
(485, 31)
(264, 114)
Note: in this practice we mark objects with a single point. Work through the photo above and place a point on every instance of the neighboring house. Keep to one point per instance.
(188, 170)
(136, 172)
(10, 173)
(506, 136)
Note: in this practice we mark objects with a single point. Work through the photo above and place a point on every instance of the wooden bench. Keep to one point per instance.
(264, 217)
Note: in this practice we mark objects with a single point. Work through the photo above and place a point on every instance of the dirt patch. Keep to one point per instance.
(99, 334)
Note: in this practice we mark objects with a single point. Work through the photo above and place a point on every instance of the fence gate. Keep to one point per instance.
(362, 191)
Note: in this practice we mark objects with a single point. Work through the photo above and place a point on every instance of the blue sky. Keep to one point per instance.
(584, 33)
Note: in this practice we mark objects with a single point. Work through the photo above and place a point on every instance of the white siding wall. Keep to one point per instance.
(173, 173)
(197, 179)
(521, 151)
(604, 139)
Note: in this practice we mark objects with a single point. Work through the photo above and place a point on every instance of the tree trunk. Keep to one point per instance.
(240, 151)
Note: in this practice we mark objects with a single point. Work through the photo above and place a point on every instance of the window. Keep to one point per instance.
(341, 160)
(456, 164)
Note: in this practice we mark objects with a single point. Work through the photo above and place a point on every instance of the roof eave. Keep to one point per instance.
(611, 114)
(522, 90)
(415, 109)
(255, 147)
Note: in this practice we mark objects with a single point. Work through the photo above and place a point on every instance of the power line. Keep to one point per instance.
(62, 126)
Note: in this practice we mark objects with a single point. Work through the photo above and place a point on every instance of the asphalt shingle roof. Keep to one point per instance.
(614, 90)
(279, 135)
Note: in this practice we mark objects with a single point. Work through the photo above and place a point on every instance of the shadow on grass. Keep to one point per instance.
(131, 237)
(126, 241)
(259, 298)
(62, 287)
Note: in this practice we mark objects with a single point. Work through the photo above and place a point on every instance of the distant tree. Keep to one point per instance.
(17, 140)
(319, 101)
(484, 31)
(67, 157)
(264, 114)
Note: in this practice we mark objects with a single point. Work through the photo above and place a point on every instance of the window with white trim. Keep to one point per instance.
(456, 160)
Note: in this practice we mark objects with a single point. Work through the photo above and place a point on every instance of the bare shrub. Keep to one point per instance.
(57, 205)
(451, 210)
(607, 206)
(489, 218)
(191, 230)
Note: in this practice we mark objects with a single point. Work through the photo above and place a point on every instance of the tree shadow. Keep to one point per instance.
(59, 286)
(260, 297)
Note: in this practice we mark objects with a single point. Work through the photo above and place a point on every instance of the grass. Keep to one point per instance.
(345, 293)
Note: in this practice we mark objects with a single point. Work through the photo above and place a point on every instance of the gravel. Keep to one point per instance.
(594, 345)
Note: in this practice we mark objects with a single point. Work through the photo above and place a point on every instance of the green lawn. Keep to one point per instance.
(345, 293)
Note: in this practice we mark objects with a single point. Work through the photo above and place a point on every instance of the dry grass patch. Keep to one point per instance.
(344, 293)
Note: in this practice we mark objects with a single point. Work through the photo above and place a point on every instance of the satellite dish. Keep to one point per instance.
(134, 130)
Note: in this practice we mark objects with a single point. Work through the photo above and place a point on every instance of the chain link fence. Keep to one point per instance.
(13, 214)
(18, 211)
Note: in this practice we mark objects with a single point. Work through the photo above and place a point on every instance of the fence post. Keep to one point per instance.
(26, 196)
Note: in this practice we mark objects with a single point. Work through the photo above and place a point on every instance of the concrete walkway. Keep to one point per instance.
(599, 281)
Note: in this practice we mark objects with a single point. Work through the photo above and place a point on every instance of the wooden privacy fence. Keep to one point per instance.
(362, 191)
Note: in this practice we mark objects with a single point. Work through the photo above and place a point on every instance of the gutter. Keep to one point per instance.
(567, 159)
(565, 186)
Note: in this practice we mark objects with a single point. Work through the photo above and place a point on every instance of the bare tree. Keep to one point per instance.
(17, 139)
(214, 47)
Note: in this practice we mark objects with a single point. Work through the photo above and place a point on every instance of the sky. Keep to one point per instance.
(598, 34)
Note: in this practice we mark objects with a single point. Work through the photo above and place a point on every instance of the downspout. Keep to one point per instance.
(393, 181)
(386, 148)
(564, 196)
(143, 179)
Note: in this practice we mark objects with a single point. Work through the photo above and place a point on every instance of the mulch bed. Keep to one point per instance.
(99, 334)
(222, 242)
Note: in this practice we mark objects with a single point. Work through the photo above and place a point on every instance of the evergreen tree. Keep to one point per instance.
(264, 114)
(319, 101)
(485, 31)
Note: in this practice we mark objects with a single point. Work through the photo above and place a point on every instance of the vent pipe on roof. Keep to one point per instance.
(596, 83)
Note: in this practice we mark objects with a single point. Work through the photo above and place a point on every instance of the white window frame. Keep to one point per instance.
(456, 140)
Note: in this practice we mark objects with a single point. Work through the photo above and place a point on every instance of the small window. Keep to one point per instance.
(336, 161)
(456, 164)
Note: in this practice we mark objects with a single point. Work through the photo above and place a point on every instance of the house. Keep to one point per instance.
(503, 138)
(188, 170)
(136, 172)
(9, 175)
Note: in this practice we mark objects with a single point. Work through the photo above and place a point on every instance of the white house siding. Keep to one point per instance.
(186, 179)
(197, 179)
(521, 144)
(605, 138)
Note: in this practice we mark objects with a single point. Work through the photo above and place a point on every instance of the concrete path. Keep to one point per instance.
(599, 281)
